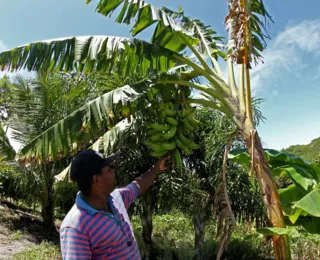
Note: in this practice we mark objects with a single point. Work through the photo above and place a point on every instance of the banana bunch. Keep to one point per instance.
(174, 133)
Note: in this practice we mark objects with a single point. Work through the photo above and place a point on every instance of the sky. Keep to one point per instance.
(288, 81)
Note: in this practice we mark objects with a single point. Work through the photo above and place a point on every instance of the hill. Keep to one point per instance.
(309, 152)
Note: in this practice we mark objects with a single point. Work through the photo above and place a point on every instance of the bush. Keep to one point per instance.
(173, 238)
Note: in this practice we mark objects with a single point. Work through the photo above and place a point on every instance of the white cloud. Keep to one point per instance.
(305, 34)
(283, 55)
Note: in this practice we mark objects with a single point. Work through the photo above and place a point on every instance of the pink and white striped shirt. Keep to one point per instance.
(87, 233)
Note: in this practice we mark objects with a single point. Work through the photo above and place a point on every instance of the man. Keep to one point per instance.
(98, 226)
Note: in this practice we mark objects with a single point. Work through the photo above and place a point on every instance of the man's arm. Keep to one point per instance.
(146, 179)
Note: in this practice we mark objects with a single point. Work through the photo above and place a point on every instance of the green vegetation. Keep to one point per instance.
(17, 235)
(104, 92)
(44, 251)
(309, 152)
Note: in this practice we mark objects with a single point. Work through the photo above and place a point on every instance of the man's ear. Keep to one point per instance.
(96, 180)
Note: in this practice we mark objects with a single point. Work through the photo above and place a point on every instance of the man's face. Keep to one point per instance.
(107, 180)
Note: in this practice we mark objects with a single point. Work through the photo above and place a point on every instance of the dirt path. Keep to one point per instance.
(10, 247)
(20, 230)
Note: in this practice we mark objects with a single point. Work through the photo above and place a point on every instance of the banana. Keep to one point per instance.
(171, 133)
(160, 127)
(158, 154)
(195, 123)
(187, 125)
(154, 146)
(183, 147)
(172, 121)
(180, 114)
(155, 138)
(183, 139)
(169, 109)
(153, 132)
(194, 146)
(189, 111)
(168, 145)
(177, 159)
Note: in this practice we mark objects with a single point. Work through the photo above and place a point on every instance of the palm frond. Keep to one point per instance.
(6, 150)
(89, 54)
(84, 125)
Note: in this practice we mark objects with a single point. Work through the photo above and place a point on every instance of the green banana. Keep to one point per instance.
(177, 159)
(158, 154)
(172, 121)
(171, 133)
(189, 111)
(187, 125)
(183, 139)
(153, 146)
(155, 138)
(160, 127)
(183, 147)
(153, 132)
(169, 109)
(194, 146)
(180, 114)
(168, 145)
(195, 123)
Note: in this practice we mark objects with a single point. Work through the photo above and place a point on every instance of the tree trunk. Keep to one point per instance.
(146, 219)
(269, 193)
(199, 223)
(47, 202)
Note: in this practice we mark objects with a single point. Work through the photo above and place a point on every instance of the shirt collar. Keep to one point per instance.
(82, 204)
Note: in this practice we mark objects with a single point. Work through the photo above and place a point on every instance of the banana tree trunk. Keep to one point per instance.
(47, 201)
(269, 193)
(146, 219)
(199, 222)
(48, 205)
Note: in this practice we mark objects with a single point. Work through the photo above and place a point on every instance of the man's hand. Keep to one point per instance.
(145, 180)
(161, 164)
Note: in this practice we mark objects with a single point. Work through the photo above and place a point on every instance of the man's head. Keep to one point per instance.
(93, 173)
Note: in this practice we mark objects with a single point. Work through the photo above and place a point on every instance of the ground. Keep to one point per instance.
(22, 234)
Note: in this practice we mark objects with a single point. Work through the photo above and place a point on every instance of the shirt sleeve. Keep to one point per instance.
(129, 194)
(74, 245)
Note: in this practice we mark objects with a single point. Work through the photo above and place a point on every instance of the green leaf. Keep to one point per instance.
(6, 150)
(169, 25)
(278, 231)
(300, 177)
(110, 141)
(304, 174)
(296, 214)
(76, 131)
(310, 203)
(290, 194)
(88, 54)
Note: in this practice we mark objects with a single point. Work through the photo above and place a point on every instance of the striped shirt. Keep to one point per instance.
(86, 233)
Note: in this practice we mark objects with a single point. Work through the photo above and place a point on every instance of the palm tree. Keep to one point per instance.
(165, 63)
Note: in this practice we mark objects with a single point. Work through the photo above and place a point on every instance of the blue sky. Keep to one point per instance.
(289, 80)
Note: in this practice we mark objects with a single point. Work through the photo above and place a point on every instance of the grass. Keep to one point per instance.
(16, 235)
(44, 251)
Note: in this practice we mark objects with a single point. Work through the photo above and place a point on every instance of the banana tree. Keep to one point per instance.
(300, 197)
(175, 36)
